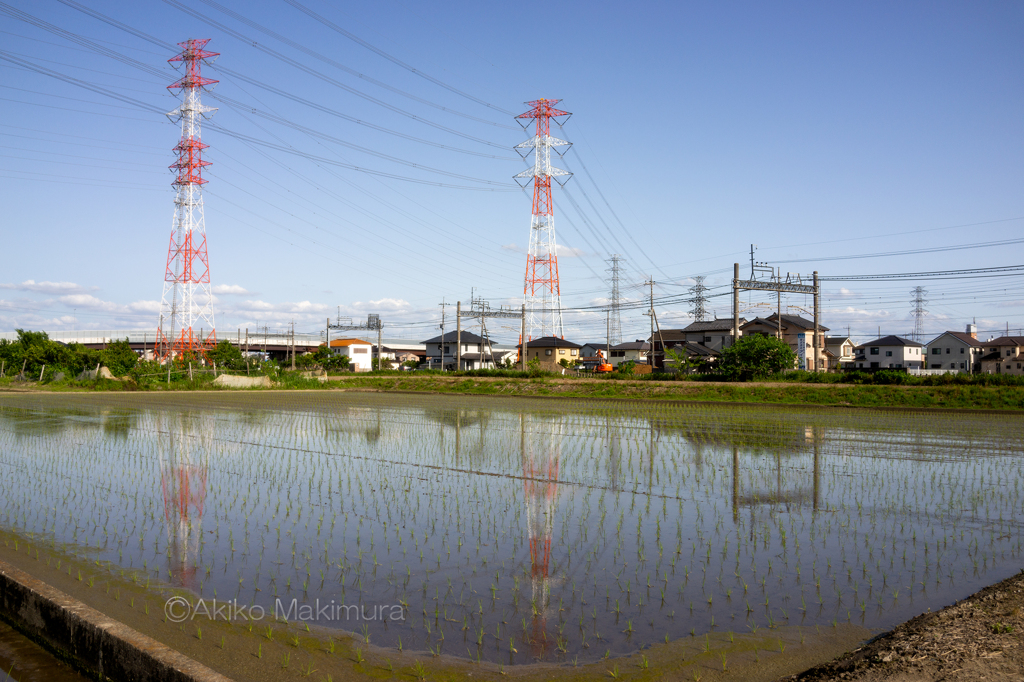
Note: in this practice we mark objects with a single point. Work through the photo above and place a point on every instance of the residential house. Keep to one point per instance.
(797, 332)
(1004, 355)
(359, 353)
(890, 352)
(441, 349)
(592, 354)
(550, 351)
(701, 357)
(713, 335)
(635, 351)
(960, 351)
(840, 351)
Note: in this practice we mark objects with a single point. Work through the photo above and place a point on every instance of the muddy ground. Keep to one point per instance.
(978, 638)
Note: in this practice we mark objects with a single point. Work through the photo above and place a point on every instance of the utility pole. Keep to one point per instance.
(736, 299)
(651, 312)
(608, 336)
(817, 317)
(458, 336)
(442, 333)
(522, 338)
(293, 345)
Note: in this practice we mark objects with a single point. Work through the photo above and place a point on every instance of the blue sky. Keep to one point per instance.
(816, 131)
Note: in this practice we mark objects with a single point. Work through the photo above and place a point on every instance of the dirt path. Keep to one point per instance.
(978, 638)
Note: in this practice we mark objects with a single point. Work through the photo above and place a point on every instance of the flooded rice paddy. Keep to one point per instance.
(522, 530)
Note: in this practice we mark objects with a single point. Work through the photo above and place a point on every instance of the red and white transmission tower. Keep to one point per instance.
(186, 311)
(541, 291)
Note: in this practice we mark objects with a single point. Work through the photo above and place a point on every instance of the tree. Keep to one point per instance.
(119, 358)
(225, 354)
(755, 357)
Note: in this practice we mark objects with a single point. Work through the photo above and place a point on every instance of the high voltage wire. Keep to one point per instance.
(390, 57)
(1005, 271)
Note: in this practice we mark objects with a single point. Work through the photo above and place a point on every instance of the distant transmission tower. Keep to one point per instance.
(918, 311)
(541, 291)
(615, 319)
(186, 310)
(699, 309)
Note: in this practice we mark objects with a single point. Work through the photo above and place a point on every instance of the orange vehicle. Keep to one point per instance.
(602, 362)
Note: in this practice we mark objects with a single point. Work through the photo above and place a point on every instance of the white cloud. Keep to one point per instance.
(231, 289)
(45, 287)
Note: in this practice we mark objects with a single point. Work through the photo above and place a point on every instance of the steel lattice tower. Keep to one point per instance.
(699, 309)
(541, 291)
(918, 311)
(615, 319)
(186, 310)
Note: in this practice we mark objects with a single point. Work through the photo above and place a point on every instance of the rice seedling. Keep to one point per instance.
(532, 514)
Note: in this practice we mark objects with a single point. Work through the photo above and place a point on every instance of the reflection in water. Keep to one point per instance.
(632, 523)
(540, 453)
(183, 473)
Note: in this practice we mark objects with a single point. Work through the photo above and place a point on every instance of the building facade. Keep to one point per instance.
(549, 351)
(631, 351)
(358, 352)
(1004, 355)
(890, 352)
(959, 351)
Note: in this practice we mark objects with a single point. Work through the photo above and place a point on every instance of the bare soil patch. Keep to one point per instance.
(978, 638)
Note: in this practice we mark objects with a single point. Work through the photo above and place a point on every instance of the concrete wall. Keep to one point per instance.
(101, 645)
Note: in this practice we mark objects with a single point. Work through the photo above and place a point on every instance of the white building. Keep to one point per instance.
(635, 351)
(359, 353)
(960, 351)
(890, 352)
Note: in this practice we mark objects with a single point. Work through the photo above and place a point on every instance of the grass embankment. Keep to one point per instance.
(963, 397)
(951, 396)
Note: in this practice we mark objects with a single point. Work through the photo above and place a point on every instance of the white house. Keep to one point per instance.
(631, 350)
(890, 352)
(960, 351)
(358, 352)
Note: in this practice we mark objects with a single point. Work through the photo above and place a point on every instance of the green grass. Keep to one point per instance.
(977, 395)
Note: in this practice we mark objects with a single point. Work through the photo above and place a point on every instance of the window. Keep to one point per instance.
(948, 351)
(574, 352)
(961, 365)
(360, 350)
(952, 365)
(874, 351)
(707, 339)
(888, 353)
(561, 351)
(547, 352)
(961, 351)
(1007, 353)
(936, 351)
